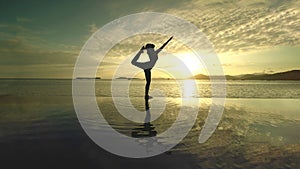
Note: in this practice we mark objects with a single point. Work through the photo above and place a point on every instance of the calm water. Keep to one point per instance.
(259, 128)
(235, 89)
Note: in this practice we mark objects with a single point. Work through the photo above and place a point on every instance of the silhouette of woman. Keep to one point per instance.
(147, 66)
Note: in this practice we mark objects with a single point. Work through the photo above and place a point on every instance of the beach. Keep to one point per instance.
(259, 127)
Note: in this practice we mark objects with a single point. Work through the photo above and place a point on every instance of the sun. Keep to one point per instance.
(181, 65)
(191, 61)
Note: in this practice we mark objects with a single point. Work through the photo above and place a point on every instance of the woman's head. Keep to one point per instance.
(150, 45)
(150, 48)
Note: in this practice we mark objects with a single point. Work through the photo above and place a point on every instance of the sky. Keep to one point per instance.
(42, 39)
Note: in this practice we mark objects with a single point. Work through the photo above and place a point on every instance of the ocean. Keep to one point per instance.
(259, 128)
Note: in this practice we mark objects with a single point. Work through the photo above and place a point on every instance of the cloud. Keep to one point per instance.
(16, 52)
(234, 26)
(224, 65)
(92, 28)
(231, 25)
(16, 31)
(24, 20)
(21, 60)
(37, 71)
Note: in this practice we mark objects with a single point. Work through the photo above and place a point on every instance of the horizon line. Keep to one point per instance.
(71, 78)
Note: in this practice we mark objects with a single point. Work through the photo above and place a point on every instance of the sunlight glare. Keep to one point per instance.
(192, 62)
(189, 89)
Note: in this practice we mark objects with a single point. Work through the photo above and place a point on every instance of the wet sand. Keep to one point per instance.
(42, 131)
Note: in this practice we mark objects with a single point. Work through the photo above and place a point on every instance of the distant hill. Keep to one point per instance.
(201, 76)
(127, 78)
(288, 75)
(88, 77)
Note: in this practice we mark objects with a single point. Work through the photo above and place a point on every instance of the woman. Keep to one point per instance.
(147, 66)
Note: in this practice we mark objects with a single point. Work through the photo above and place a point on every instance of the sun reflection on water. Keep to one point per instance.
(189, 89)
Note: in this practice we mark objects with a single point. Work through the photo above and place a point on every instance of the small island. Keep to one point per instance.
(127, 78)
(83, 78)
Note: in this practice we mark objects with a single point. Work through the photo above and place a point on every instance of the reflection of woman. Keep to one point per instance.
(146, 129)
(147, 66)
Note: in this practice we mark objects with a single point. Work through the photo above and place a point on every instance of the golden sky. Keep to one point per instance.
(43, 38)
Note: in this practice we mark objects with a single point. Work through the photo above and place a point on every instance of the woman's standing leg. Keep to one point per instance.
(148, 81)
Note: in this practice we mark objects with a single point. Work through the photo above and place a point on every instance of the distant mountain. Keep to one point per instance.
(127, 78)
(204, 77)
(288, 75)
(201, 77)
(88, 77)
